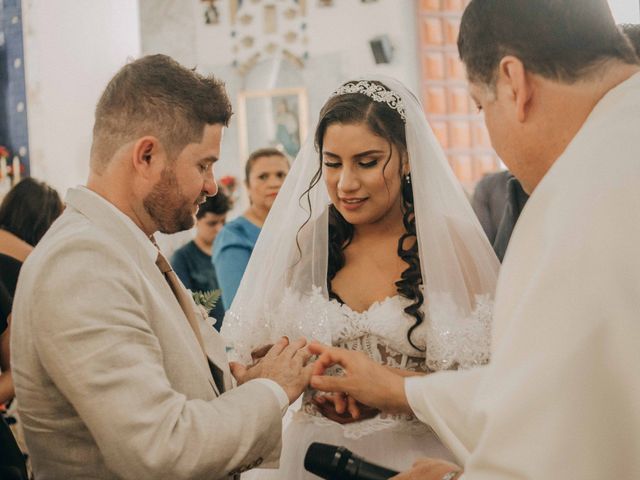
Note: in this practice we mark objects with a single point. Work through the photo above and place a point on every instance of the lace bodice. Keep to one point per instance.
(384, 323)
(381, 333)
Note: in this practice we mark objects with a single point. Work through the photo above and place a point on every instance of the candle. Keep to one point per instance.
(16, 169)
(3, 168)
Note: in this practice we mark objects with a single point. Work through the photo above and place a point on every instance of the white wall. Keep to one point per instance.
(625, 11)
(347, 27)
(72, 49)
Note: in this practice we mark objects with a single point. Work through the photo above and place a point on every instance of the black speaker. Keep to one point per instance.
(382, 49)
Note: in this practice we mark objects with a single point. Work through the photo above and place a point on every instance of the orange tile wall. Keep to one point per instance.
(445, 96)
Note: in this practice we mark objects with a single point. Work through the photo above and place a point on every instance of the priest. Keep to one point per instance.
(559, 86)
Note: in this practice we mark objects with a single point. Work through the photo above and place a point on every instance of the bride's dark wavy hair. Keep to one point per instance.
(355, 108)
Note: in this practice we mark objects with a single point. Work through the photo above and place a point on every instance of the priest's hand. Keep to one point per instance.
(285, 363)
(430, 469)
(365, 380)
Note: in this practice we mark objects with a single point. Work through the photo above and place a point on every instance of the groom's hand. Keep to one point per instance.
(285, 363)
(365, 380)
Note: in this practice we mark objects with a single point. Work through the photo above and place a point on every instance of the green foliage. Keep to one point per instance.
(207, 299)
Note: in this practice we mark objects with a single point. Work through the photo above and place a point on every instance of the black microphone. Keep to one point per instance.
(338, 463)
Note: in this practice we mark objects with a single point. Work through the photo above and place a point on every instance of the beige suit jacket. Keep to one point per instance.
(110, 379)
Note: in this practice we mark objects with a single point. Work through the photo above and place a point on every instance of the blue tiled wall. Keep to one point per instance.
(13, 102)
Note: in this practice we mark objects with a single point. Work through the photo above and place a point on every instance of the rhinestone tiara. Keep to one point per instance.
(376, 92)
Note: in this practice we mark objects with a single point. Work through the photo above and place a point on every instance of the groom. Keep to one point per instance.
(560, 89)
(117, 373)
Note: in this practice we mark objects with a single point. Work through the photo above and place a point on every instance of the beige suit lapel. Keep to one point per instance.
(213, 345)
(197, 319)
(162, 286)
(216, 353)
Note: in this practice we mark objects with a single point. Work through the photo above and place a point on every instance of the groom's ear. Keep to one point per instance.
(148, 158)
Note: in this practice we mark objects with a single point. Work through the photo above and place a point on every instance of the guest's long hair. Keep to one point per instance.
(29, 209)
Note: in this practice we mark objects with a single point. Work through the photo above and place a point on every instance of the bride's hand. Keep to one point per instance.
(342, 408)
(260, 352)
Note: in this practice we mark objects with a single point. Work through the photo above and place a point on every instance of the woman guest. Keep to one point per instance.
(26, 213)
(192, 262)
(265, 172)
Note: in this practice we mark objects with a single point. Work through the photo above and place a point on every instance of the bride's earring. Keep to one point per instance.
(406, 188)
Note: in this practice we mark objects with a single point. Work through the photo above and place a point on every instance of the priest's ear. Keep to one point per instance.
(517, 84)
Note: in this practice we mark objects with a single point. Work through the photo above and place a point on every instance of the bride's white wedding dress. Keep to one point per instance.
(394, 441)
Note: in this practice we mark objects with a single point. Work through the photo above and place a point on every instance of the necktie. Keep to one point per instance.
(181, 295)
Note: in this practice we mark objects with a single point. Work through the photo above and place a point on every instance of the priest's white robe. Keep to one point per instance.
(560, 398)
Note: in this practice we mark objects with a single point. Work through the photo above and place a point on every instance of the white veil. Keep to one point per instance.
(459, 267)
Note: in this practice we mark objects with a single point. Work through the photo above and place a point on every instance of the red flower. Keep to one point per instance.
(228, 181)
(4, 152)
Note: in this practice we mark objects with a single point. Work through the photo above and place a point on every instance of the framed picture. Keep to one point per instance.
(272, 118)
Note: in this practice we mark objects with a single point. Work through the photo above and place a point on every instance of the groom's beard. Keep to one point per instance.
(170, 210)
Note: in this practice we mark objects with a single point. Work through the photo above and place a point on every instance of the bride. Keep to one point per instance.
(371, 245)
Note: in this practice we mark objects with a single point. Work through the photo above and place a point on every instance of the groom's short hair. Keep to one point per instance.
(562, 40)
(155, 95)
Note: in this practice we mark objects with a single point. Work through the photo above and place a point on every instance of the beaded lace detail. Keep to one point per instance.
(381, 333)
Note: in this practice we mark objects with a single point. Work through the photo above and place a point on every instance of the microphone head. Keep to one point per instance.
(322, 459)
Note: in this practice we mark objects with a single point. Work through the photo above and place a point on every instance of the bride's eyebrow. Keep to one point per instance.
(367, 153)
(356, 156)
